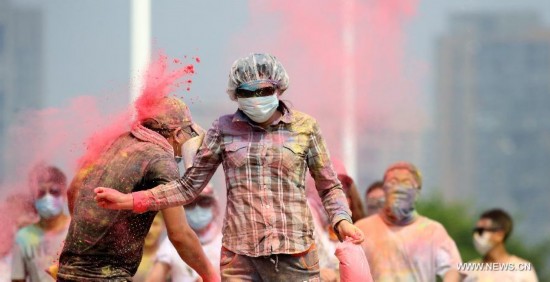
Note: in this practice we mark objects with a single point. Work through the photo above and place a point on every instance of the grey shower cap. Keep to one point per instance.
(256, 71)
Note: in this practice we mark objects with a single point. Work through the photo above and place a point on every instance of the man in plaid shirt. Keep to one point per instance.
(265, 149)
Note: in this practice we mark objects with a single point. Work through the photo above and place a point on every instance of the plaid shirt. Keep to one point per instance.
(265, 172)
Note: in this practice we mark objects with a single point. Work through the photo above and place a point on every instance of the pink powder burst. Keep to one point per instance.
(311, 47)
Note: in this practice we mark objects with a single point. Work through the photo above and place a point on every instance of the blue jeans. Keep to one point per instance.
(280, 267)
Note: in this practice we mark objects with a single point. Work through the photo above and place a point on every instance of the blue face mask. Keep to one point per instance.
(199, 217)
(400, 204)
(49, 206)
(259, 109)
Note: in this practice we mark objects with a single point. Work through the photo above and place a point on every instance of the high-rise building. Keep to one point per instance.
(492, 117)
(21, 62)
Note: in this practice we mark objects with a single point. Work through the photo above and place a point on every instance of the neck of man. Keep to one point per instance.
(55, 223)
(497, 254)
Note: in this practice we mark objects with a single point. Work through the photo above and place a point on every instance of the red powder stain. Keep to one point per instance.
(177, 61)
(160, 81)
(198, 59)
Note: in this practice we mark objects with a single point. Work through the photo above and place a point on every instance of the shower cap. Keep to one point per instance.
(257, 71)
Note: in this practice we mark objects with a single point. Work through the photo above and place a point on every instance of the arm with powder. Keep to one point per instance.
(175, 193)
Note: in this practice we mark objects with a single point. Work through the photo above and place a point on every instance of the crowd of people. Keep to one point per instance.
(278, 224)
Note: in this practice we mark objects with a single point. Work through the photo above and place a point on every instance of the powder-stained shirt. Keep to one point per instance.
(415, 252)
(108, 244)
(35, 251)
(265, 170)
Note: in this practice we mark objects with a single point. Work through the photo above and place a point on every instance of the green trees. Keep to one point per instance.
(460, 217)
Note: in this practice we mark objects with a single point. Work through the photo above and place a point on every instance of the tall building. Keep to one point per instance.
(493, 122)
(21, 72)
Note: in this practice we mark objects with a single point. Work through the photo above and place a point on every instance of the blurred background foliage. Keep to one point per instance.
(460, 217)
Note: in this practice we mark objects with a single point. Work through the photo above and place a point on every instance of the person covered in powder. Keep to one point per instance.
(490, 233)
(266, 149)
(402, 245)
(38, 245)
(106, 245)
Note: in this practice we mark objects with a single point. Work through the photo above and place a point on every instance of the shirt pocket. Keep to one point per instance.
(293, 156)
(236, 153)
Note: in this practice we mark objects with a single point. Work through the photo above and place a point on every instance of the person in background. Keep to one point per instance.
(374, 197)
(151, 247)
(402, 245)
(38, 245)
(489, 237)
(204, 216)
(266, 149)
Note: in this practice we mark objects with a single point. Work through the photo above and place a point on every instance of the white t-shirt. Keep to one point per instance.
(5, 268)
(35, 251)
(179, 270)
(524, 272)
(415, 252)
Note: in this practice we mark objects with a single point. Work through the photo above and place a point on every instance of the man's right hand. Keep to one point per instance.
(112, 199)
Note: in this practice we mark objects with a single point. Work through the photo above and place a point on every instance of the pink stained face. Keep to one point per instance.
(400, 176)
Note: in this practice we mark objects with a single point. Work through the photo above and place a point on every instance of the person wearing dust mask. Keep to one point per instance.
(402, 245)
(203, 216)
(489, 237)
(265, 148)
(38, 245)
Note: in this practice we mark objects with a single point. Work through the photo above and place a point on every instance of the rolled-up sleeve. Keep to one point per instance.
(184, 190)
(326, 181)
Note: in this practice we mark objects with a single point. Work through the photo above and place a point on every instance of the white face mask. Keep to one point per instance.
(49, 206)
(199, 217)
(259, 109)
(482, 243)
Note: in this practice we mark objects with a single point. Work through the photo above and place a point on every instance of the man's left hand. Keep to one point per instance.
(346, 229)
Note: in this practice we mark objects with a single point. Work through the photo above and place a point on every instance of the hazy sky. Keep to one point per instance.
(87, 42)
